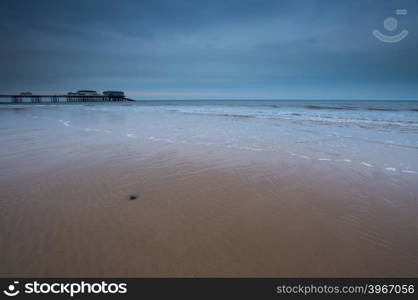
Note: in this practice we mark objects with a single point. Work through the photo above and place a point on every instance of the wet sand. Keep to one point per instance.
(201, 211)
(214, 218)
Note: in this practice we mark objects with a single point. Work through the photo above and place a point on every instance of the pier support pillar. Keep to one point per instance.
(16, 99)
(35, 99)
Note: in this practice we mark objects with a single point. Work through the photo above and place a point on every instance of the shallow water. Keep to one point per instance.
(382, 135)
(226, 188)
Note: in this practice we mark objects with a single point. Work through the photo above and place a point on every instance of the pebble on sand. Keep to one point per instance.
(133, 197)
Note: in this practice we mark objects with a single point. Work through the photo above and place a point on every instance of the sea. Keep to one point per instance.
(375, 134)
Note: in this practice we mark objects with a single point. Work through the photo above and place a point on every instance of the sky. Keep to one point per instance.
(212, 49)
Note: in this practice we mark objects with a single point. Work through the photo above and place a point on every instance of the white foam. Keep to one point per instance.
(409, 172)
(130, 135)
(324, 159)
(65, 123)
(91, 129)
(344, 160)
(152, 138)
(391, 169)
(366, 164)
(250, 148)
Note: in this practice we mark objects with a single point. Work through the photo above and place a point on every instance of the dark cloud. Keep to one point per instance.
(222, 49)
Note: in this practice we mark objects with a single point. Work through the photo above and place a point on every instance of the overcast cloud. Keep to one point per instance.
(218, 49)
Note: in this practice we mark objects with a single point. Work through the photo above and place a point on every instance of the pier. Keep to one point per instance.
(27, 98)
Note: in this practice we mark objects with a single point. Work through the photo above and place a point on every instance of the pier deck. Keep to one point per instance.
(59, 98)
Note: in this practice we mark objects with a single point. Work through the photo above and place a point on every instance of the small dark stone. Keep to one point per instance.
(133, 197)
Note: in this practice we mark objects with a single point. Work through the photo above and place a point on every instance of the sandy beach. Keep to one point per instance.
(202, 209)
